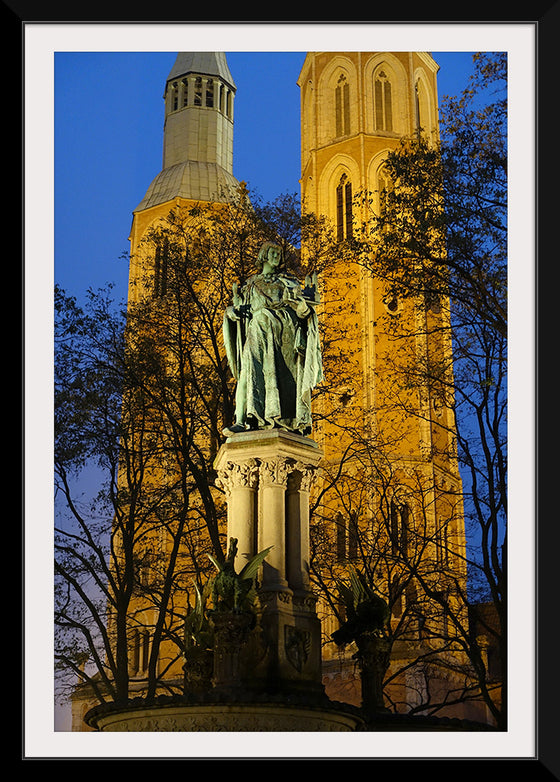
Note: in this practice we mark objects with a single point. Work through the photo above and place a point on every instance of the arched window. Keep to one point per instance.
(395, 597)
(340, 529)
(185, 92)
(442, 546)
(344, 209)
(384, 188)
(342, 106)
(145, 649)
(175, 97)
(135, 652)
(382, 101)
(139, 651)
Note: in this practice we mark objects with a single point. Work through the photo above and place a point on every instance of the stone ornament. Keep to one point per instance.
(275, 472)
(295, 476)
(239, 475)
(297, 645)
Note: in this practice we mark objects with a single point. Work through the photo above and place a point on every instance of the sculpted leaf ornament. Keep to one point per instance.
(232, 591)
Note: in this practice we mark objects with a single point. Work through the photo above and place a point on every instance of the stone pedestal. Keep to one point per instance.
(231, 633)
(266, 476)
(374, 654)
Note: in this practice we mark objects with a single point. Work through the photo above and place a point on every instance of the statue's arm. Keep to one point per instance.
(295, 298)
(239, 309)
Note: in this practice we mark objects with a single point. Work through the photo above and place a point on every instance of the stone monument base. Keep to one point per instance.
(267, 476)
(226, 716)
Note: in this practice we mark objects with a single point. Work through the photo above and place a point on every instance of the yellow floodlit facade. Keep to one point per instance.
(396, 443)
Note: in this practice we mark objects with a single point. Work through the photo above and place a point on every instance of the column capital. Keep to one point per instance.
(275, 471)
(234, 475)
(301, 477)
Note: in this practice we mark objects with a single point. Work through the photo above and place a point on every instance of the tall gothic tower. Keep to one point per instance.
(355, 109)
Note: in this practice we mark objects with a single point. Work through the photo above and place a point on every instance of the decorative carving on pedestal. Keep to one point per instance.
(238, 475)
(231, 633)
(305, 602)
(257, 717)
(297, 645)
(293, 475)
(275, 472)
(373, 656)
(303, 476)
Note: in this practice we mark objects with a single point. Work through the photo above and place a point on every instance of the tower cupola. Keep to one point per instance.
(199, 95)
(198, 132)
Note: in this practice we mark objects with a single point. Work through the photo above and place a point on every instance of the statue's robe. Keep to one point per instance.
(273, 349)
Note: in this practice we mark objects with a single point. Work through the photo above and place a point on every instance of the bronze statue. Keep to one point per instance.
(271, 338)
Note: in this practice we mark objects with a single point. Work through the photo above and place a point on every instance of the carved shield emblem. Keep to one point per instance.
(297, 644)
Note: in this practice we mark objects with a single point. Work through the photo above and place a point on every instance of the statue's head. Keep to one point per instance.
(272, 253)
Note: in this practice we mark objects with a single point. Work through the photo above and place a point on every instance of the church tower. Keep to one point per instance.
(355, 109)
(197, 145)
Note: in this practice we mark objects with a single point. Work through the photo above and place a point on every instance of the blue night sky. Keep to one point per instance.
(109, 140)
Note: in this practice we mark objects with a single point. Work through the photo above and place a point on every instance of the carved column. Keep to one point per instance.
(239, 481)
(297, 527)
(273, 480)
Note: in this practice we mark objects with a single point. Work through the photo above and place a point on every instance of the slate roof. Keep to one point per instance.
(191, 179)
(205, 63)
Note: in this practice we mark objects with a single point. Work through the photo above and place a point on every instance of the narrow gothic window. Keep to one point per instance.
(175, 97)
(145, 644)
(342, 107)
(442, 550)
(344, 209)
(395, 595)
(340, 538)
(135, 652)
(383, 102)
(185, 92)
(352, 536)
(160, 269)
(421, 108)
